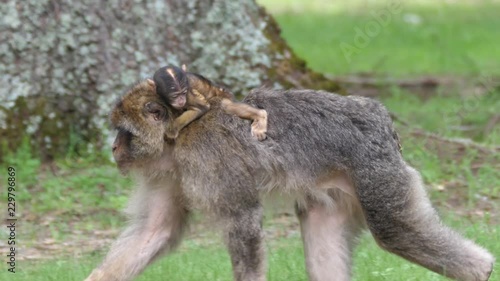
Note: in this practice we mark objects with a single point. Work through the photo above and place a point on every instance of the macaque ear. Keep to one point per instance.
(184, 67)
(156, 110)
(151, 83)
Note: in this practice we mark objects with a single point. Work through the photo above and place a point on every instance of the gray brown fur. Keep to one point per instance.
(337, 156)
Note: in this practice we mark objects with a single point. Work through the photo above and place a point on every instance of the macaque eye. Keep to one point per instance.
(180, 93)
(124, 132)
(173, 97)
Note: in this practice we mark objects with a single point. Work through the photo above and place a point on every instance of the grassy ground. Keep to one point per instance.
(420, 37)
(285, 262)
(71, 216)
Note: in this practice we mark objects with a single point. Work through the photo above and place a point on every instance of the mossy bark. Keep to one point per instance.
(64, 63)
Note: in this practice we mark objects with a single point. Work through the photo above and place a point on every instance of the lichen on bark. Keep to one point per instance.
(64, 63)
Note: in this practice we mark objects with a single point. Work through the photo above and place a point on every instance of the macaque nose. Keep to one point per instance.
(114, 147)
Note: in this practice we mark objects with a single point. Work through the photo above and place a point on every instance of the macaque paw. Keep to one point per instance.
(172, 133)
(259, 126)
(260, 135)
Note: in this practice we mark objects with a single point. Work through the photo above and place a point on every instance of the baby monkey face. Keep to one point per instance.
(178, 99)
(172, 85)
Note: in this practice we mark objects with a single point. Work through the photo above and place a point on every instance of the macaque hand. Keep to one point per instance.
(259, 126)
(172, 132)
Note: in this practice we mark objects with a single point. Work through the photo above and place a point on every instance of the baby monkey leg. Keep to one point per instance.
(197, 106)
(245, 111)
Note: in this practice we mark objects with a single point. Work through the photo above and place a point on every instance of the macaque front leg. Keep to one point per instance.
(245, 111)
(182, 121)
(244, 238)
(156, 229)
(198, 106)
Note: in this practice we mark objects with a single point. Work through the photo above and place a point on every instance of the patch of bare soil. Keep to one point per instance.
(424, 87)
(456, 196)
(37, 240)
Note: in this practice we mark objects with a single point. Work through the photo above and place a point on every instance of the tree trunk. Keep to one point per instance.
(63, 63)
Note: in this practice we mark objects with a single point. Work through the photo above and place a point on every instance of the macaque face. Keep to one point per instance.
(139, 117)
(178, 100)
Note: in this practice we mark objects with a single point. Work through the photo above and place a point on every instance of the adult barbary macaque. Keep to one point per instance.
(191, 92)
(338, 156)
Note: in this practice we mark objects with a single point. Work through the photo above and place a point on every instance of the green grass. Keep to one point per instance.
(457, 38)
(448, 115)
(285, 263)
(454, 117)
(79, 187)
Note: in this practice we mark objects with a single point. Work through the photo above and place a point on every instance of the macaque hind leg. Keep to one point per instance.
(245, 111)
(329, 235)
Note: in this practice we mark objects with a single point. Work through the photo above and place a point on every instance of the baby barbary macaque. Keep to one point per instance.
(190, 92)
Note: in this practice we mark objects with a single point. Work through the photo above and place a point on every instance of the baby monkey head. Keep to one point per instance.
(172, 85)
(139, 117)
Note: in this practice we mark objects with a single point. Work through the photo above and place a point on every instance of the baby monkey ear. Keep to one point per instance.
(156, 110)
(184, 67)
(151, 83)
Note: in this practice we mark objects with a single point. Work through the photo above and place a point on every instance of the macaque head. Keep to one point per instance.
(172, 85)
(139, 117)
